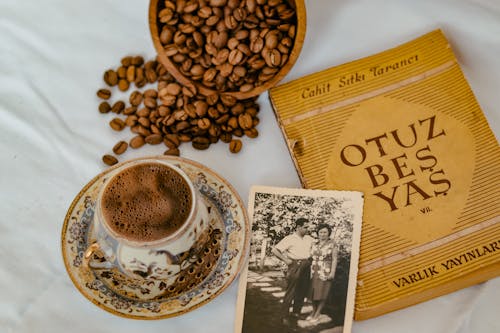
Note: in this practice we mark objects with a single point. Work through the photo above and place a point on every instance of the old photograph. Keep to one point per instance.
(303, 260)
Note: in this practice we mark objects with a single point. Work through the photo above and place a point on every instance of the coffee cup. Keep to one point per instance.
(150, 222)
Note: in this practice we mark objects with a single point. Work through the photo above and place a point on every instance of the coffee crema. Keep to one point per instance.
(146, 202)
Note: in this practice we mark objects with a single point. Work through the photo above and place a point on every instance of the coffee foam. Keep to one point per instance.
(146, 202)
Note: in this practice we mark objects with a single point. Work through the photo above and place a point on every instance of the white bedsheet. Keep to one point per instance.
(52, 56)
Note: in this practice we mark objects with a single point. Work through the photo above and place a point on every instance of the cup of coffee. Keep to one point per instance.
(150, 222)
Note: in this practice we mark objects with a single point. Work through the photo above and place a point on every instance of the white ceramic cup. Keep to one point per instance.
(162, 258)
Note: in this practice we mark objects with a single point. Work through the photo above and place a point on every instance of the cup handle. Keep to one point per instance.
(88, 263)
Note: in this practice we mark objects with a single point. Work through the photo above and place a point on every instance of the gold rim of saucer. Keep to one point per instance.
(237, 239)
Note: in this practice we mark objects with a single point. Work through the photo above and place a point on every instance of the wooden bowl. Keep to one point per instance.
(186, 81)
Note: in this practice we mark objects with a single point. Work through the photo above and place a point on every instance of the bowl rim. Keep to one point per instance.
(206, 91)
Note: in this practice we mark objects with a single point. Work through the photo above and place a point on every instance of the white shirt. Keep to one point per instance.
(296, 247)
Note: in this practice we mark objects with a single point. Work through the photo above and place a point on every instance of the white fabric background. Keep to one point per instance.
(52, 56)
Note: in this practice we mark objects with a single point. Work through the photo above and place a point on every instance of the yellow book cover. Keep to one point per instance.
(404, 127)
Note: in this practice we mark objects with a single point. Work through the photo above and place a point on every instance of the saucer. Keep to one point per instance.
(121, 295)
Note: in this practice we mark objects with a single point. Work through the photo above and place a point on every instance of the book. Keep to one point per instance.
(403, 127)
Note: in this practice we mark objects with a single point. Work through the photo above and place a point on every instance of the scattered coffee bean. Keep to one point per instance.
(120, 147)
(118, 107)
(235, 146)
(109, 160)
(117, 124)
(154, 139)
(173, 113)
(103, 93)
(172, 152)
(123, 84)
(110, 78)
(104, 107)
(137, 142)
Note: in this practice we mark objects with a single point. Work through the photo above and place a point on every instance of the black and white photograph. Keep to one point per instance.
(303, 260)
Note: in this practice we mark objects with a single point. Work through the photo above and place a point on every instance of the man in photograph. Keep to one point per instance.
(295, 251)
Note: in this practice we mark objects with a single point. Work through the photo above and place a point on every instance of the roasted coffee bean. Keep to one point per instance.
(111, 78)
(104, 107)
(137, 61)
(226, 137)
(103, 93)
(135, 98)
(123, 85)
(121, 72)
(118, 107)
(151, 93)
(173, 89)
(131, 120)
(117, 124)
(252, 133)
(137, 142)
(126, 61)
(245, 121)
(172, 152)
(120, 147)
(235, 146)
(144, 121)
(204, 123)
(150, 102)
(109, 160)
(201, 145)
(130, 74)
(154, 139)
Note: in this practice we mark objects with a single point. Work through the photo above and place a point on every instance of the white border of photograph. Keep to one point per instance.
(357, 210)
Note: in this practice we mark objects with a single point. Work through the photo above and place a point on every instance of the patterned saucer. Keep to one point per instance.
(112, 291)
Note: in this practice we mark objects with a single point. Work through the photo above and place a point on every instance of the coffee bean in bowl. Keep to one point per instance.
(240, 47)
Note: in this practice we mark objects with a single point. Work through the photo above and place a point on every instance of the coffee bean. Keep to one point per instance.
(117, 124)
(109, 160)
(137, 142)
(103, 93)
(204, 123)
(226, 137)
(121, 72)
(130, 74)
(151, 93)
(145, 122)
(245, 121)
(118, 107)
(130, 110)
(151, 75)
(172, 152)
(131, 120)
(173, 89)
(123, 85)
(104, 107)
(150, 102)
(251, 133)
(120, 147)
(154, 139)
(135, 98)
(126, 61)
(235, 146)
(111, 78)
(201, 146)
(137, 61)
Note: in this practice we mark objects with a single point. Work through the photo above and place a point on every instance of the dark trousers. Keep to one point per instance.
(298, 283)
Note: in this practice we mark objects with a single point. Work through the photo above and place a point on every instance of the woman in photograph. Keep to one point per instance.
(324, 263)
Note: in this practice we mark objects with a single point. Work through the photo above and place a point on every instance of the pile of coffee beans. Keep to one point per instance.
(171, 114)
(227, 45)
